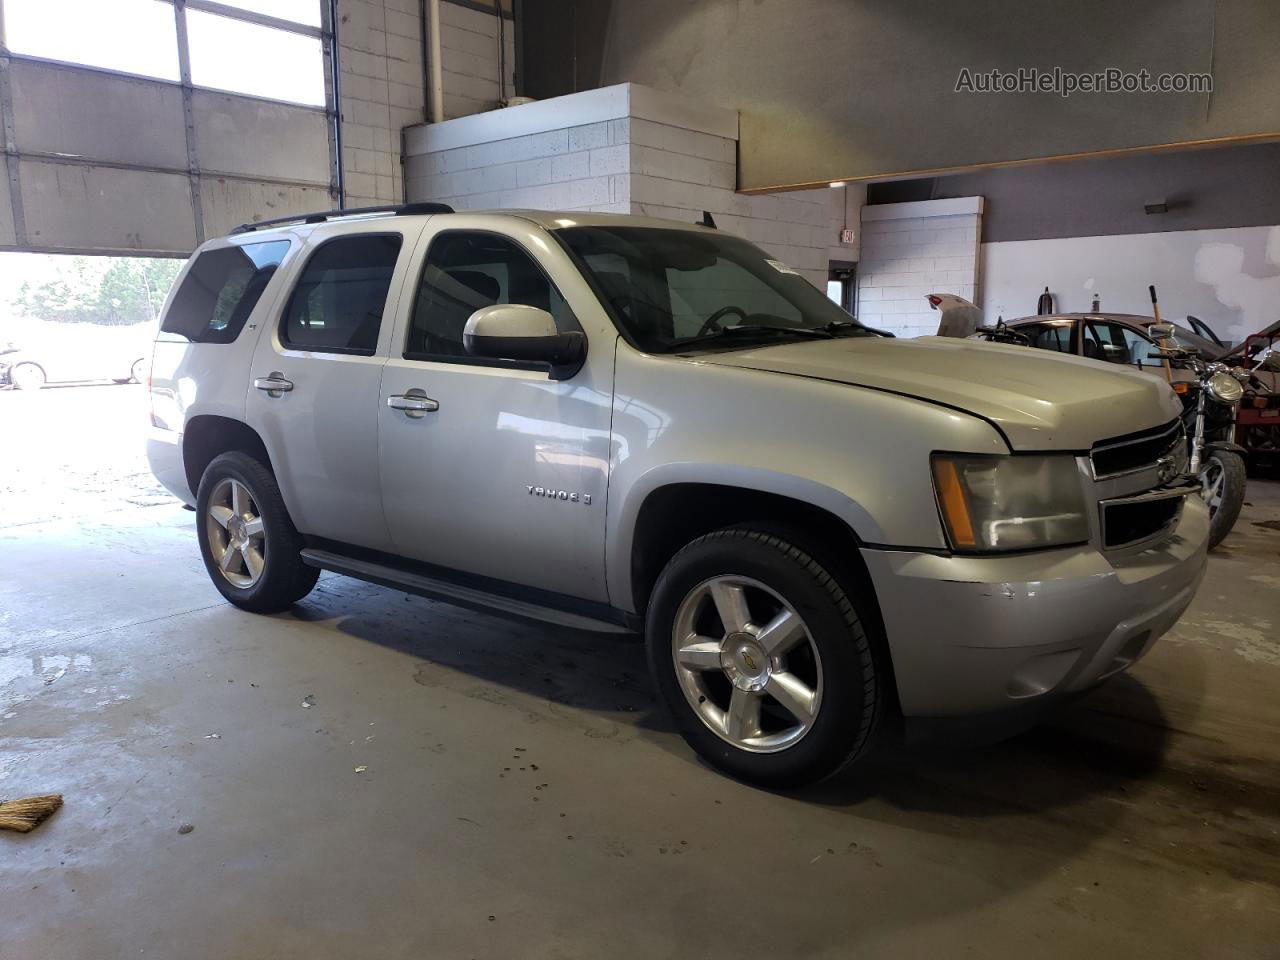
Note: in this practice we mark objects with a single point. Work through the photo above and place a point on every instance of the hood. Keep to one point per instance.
(1040, 400)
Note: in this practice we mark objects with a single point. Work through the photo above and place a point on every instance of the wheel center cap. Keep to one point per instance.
(744, 662)
(235, 530)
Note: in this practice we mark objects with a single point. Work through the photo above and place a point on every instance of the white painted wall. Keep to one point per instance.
(910, 250)
(1230, 278)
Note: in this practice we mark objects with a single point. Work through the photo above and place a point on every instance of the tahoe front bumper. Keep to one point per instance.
(975, 635)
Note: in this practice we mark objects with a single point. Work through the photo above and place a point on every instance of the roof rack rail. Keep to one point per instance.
(399, 210)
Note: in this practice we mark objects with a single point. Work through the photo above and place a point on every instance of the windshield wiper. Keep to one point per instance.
(748, 330)
(840, 328)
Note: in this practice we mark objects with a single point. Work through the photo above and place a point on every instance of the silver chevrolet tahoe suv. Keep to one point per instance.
(618, 423)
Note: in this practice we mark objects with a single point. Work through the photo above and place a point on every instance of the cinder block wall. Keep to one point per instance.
(677, 173)
(910, 250)
(470, 61)
(380, 61)
(571, 168)
(618, 162)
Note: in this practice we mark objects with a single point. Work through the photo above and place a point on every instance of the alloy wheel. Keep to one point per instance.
(1212, 481)
(237, 536)
(747, 664)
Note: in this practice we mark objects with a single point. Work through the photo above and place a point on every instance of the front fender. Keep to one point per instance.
(861, 455)
(622, 521)
(1225, 446)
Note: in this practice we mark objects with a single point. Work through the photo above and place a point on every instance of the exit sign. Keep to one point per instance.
(846, 235)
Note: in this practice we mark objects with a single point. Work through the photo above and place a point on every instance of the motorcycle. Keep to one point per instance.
(1209, 412)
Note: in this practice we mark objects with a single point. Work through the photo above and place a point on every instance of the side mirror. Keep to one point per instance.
(513, 331)
(1161, 331)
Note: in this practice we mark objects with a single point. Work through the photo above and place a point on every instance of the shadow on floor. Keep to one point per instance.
(605, 673)
(1092, 747)
(1076, 753)
(1111, 770)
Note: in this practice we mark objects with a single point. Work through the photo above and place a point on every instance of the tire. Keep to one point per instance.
(1223, 479)
(832, 659)
(27, 376)
(236, 487)
(138, 372)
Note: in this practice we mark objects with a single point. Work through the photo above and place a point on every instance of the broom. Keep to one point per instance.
(28, 813)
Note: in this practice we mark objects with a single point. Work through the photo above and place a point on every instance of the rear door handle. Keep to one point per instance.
(412, 404)
(274, 385)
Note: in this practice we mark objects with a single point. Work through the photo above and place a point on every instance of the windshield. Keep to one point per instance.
(681, 290)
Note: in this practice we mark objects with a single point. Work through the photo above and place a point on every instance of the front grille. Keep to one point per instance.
(1135, 451)
(1130, 521)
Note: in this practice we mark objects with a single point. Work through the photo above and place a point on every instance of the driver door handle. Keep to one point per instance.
(274, 384)
(411, 404)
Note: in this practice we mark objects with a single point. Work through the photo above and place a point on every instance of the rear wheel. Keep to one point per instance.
(761, 655)
(1222, 483)
(248, 542)
(27, 376)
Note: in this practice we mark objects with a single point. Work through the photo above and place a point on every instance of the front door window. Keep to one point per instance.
(1116, 343)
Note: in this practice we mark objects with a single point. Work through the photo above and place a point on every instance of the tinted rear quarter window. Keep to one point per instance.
(221, 289)
(338, 303)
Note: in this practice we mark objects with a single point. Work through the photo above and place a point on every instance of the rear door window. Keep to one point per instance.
(338, 303)
(221, 289)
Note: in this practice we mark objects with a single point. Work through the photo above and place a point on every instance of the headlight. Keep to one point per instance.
(994, 503)
(1225, 388)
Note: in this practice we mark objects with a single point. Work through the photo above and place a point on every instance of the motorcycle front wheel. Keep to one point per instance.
(1222, 480)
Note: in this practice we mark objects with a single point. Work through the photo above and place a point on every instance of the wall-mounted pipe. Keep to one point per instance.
(502, 53)
(433, 55)
(335, 81)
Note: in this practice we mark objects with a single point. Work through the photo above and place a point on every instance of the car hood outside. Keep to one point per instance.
(1040, 400)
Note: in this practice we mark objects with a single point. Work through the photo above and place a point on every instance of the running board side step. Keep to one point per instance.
(457, 594)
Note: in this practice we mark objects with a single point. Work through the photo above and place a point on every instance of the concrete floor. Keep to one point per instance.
(466, 787)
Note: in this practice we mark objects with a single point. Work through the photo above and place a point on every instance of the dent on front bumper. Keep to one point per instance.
(981, 635)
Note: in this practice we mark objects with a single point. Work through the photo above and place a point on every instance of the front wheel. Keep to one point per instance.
(27, 376)
(138, 372)
(1222, 483)
(762, 657)
(250, 546)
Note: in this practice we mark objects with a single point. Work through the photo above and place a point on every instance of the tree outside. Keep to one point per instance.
(113, 291)
(81, 318)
